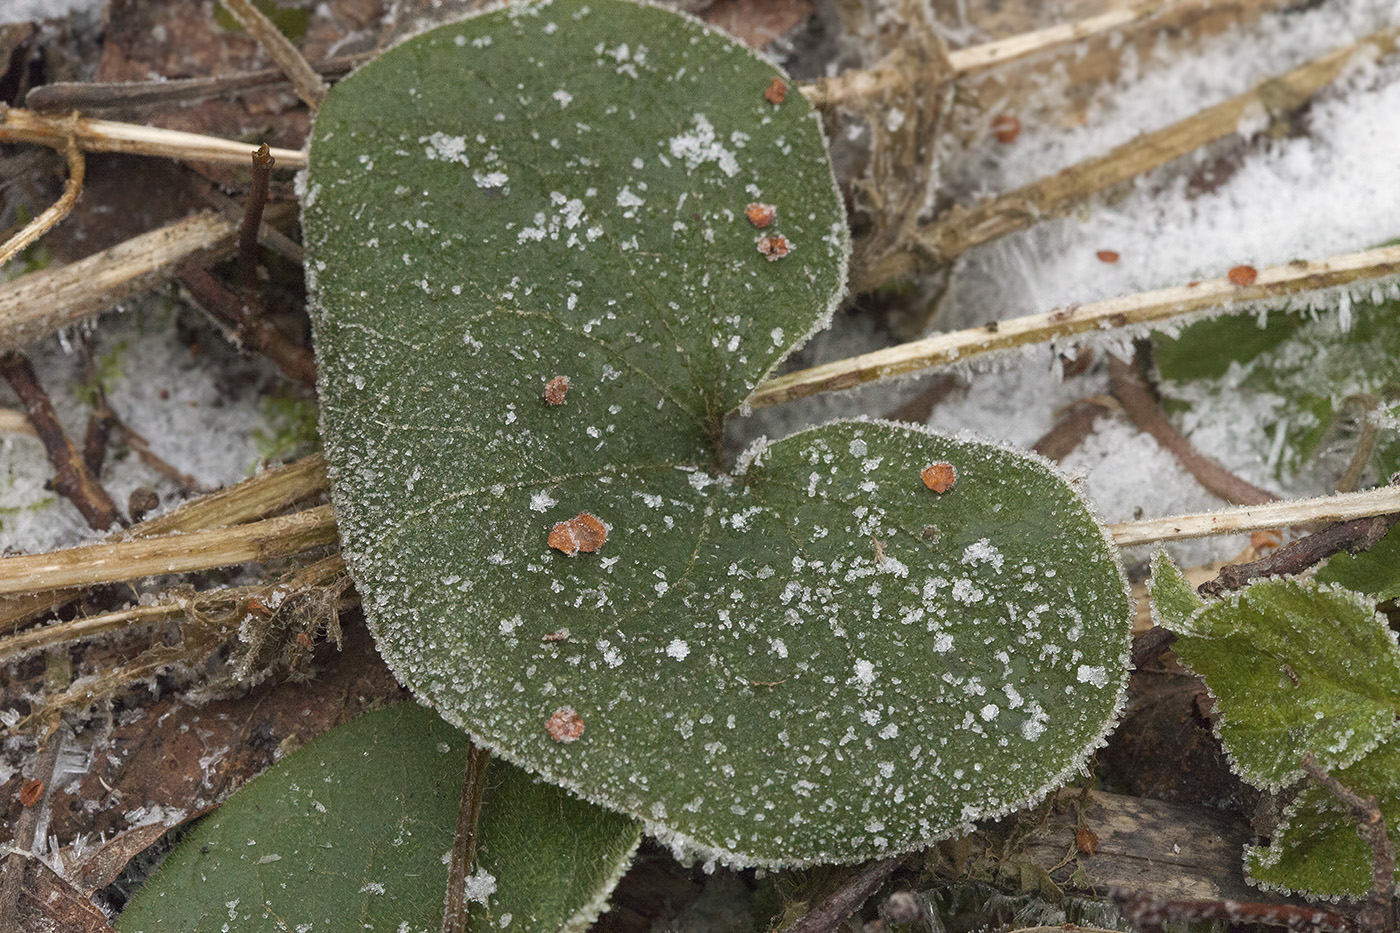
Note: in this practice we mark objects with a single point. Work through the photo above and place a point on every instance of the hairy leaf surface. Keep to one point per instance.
(351, 832)
(809, 656)
(1296, 669)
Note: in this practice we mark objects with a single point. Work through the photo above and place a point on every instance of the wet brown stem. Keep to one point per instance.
(248, 229)
(456, 916)
(295, 362)
(863, 881)
(1378, 912)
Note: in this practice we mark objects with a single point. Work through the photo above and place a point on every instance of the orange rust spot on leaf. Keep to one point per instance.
(1243, 275)
(565, 725)
(940, 476)
(1086, 840)
(1006, 128)
(561, 635)
(583, 532)
(30, 793)
(555, 390)
(775, 246)
(1107, 255)
(760, 215)
(776, 92)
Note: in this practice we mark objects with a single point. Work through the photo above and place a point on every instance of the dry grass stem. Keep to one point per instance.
(308, 85)
(960, 229)
(35, 305)
(1143, 308)
(18, 646)
(93, 564)
(1337, 508)
(77, 168)
(25, 126)
(16, 422)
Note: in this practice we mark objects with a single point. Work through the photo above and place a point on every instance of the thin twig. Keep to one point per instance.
(305, 81)
(25, 126)
(253, 330)
(960, 229)
(94, 564)
(251, 224)
(72, 480)
(456, 916)
(22, 838)
(77, 167)
(1339, 507)
(1150, 914)
(1143, 308)
(1129, 385)
(1378, 913)
(66, 96)
(35, 305)
(1073, 426)
(1354, 536)
(862, 882)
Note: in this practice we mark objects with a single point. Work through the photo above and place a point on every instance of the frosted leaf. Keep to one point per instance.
(732, 657)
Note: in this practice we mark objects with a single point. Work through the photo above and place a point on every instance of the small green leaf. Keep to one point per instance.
(1375, 572)
(1303, 390)
(1295, 668)
(809, 656)
(1174, 602)
(1316, 849)
(351, 830)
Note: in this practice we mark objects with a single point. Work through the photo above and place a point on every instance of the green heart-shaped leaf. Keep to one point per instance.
(811, 657)
(1281, 657)
(351, 830)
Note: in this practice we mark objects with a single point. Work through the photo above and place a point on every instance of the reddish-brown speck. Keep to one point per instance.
(760, 215)
(561, 635)
(1086, 840)
(776, 92)
(1006, 128)
(940, 476)
(555, 390)
(583, 532)
(1243, 275)
(1266, 540)
(30, 793)
(565, 725)
(775, 246)
(1107, 255)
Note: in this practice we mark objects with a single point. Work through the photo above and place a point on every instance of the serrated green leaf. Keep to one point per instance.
(1303, 390)
(1295, 668)
(350, 832)
(1375, 572)
(1174, 601)
(1316, 849)
(812, 657)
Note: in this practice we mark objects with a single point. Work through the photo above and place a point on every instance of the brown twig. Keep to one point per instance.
(863, 881)
(305, 81)
(1359, 534)
(66, 96)
(1150, 914)
(295, 362)
(72, 479)
(22, 838)
(77, 168)
(919, 408)
(1151, 645)
(1129, 385)
(1378, 913)
(251, 224)
(1075, 424)
(456, 916)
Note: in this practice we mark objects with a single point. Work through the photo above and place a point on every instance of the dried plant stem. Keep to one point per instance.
(35, 305)
(456, 913)
(307, 83)
(862, 84)
(72, 479)
(1340, 507)
(201, 550)
(1377, 914)
(1143, 308)
(253, 330)
(251, 224)
(25, 126)
(1130, 387)
(87, 96)
(18, 646)
(55, 212)
(862, 882)
(251, 500)
(960, 229)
